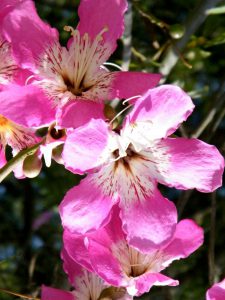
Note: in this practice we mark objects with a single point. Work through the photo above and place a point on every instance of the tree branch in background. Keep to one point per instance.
(217, 104)
(195, 19)
(211, 255)
(127, 38)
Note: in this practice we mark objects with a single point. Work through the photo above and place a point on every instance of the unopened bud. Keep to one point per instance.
(32, 166)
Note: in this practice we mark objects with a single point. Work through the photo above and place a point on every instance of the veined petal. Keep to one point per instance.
(27, 33)
(217, 291)
(149, 119)
(149, 223)
(48, 293)
(102, 14)
(191, 164)
(26, 105)
(85, 207)
(125, 83)
(187, 238)
(78, 113)
(144, 282)
(84, 147)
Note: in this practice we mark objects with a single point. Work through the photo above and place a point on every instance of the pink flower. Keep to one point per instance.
(87, 285)
(72, 79)
(125, 167)
(119, 264)
(217, 291)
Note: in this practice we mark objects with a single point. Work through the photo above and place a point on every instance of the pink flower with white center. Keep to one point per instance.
(87, 285)
(14, 135)
(73, 78)
(125, 168)
(119, 264)
(217, 291)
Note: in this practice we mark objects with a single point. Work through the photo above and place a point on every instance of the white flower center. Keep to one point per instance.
(75, 73)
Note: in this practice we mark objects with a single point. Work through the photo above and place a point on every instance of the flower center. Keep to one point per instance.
(66, 74)
(3, 122)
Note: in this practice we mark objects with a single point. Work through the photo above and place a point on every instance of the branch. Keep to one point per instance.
(217, 105)
(212, 240)
(194, 20)
(127, 38)
(10, 166)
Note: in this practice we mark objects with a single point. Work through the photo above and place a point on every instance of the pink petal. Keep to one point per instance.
(78, 113)
(85, 207)
(84, 146)
(144, 282)
(105, 264)
(27, 33)
(26, 105)
(187, 238)
(159, 112)
(48, 293)
(74, 252)
(192, 164)
(149, 223)
(3, 160)
(125, 83)
(217, 291)
(101, 14)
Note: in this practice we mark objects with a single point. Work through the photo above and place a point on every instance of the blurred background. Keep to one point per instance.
(185, 41)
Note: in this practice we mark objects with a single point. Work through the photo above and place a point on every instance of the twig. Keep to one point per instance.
(127, 38)
(219, 100)
(10, 166)
(194, 20)
(211, 256)
(19, 295)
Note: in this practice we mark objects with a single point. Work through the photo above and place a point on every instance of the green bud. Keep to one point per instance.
(32, 166)
(176, 31)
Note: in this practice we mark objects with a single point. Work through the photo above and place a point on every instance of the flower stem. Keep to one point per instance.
(10, 166)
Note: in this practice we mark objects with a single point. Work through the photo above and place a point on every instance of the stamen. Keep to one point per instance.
(113, 65)
(131, 98)
(120, 113)
(28, 79)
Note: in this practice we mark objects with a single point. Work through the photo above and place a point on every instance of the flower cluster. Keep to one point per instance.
(120, 232)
